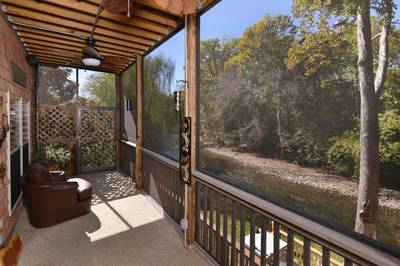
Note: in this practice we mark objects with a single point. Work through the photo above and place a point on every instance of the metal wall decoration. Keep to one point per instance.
(185, 172)
(97, 138)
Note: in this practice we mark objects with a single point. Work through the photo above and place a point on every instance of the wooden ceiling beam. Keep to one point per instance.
(34, 49)
(52, 45)
(26, 7)
(67, 63)
(134, 21)
(54, 63)
(149, 13)
(65, 33)
(77, 42)
(61, 55)
(103, 51)
(15, 14)
(74, 62)
(51, 49)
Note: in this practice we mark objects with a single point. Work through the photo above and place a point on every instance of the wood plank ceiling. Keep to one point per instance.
(55, 31)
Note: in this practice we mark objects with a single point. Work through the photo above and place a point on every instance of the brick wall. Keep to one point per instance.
(11, 50)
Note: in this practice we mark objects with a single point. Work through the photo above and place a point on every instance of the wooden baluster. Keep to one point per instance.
(198, 212)
(233, 236)
(290, 247)
(218, 230)
(325, 256)
(252, 238)
(242, 234)
(225, 254)
(205, 227)
(211, 229)
(264, 223)
(277, 235)
(307, 252)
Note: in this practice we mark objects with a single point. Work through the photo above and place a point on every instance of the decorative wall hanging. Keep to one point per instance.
(185, 124)
(4, 127)
(185, 172)
(3, 170)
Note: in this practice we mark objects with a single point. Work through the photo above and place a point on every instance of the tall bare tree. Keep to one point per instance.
(370, 90)
(371, 84)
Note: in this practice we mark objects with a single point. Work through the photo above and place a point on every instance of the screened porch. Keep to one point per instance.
(196, 133)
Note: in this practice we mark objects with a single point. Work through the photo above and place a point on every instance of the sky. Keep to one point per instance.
(229, 18)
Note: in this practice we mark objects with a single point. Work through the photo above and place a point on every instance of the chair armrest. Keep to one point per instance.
(59, 185)
(58, 175)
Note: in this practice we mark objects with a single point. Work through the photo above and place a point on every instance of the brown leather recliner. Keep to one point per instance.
(51, 199)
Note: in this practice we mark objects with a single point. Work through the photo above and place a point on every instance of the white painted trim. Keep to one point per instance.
(8, 97)
(21, 137)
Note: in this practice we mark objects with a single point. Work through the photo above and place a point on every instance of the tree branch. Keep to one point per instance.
(382, 59)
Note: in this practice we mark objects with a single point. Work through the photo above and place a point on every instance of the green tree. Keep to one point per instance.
(370, 86)
(98, 90)
(160, 121)
(57, 85)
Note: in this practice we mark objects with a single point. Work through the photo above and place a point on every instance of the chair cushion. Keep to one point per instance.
(38, 174)
(84, 188)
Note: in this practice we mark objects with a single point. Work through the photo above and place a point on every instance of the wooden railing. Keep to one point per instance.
(161, 182)
(237, 228)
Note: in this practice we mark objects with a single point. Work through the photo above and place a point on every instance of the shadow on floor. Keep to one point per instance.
(123, 228)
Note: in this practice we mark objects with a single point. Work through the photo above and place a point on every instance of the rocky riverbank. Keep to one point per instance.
(313, 177)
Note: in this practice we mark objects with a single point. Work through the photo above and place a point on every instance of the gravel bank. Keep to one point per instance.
(305, 175)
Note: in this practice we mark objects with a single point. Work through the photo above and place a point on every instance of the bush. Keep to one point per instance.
(303, 148)
(54, 154)
(344, 153)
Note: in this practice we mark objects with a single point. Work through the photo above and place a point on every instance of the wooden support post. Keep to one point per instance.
(118, 119)
(139, 121)
(192, 104)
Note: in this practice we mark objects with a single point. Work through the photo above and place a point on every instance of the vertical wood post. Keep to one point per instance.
(118, 119)
(192, 104)
(139, 121)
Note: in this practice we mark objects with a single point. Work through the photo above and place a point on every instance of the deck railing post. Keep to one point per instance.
(117, 119)
(139, 121)
(192, 44)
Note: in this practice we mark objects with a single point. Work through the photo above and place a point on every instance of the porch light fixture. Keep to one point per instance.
(89, 61)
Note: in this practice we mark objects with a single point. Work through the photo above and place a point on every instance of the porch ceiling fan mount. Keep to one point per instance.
(176, 7)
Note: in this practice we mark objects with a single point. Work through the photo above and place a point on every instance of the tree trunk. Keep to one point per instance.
(278, 121)
(367, 204)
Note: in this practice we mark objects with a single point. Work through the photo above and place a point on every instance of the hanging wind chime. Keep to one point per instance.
(184, 136)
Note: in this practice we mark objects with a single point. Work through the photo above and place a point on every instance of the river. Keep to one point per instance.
(333, 207)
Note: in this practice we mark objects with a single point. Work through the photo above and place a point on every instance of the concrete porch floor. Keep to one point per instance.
(125, 227)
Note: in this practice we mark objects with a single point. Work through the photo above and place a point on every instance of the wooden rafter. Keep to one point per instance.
(31, 8)
(55, 31)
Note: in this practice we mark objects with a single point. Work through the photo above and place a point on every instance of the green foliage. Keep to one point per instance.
(344, 153)
(303, 148)
(57, 85)
(54, 154)
(98, 90)
(160, 121)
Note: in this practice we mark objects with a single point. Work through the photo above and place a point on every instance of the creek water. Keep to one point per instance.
(332, 207)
